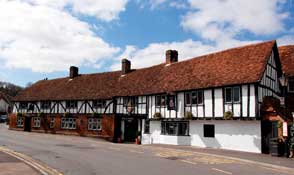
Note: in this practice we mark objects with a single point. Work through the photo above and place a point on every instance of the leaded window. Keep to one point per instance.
(176, 128)
(94, 124)
(37, 122)
(232, 94)
(68, 123)
(52, 122)
(160, 100)
(194, 98)
(19, 121)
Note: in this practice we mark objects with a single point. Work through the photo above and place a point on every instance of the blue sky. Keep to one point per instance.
(42, 38)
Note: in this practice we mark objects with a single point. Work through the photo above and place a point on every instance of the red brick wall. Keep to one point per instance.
(107, 122)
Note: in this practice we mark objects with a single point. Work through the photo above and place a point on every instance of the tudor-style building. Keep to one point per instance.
(180, 103)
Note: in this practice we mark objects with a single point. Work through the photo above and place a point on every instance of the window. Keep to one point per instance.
(127, 101)
(37, 122)
(52, 122)
(94, 124)
(99, 103)
(71, 104)
(194, 98)
(147, 127)
(19, 121)
(23, 105)
(291, 85)
(68, 123)
(208, 130)
(45, 104)
(175, 128)
(160, 100)
(232, 94)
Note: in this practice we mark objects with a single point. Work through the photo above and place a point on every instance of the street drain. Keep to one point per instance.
(172, 158)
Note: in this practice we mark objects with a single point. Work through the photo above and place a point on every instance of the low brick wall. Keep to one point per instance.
(107, 122)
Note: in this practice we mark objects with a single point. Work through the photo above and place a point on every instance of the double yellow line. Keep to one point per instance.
(43, 169)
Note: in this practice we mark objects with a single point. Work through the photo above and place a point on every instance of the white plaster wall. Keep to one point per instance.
(218, 94)
(233, 135)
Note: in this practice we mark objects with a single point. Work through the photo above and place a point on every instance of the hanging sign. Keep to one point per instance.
(171, 102)
(285, 129)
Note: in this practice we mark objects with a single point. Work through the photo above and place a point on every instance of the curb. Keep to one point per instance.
(43, 169)
(266, 165)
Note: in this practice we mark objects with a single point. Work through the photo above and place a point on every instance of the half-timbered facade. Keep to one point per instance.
(207, 101)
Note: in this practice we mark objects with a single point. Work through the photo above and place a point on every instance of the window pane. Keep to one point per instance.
(194, 98)
(200, 97)
(236, 94)
(183, 129)
(228, 95)
(291, 86)
(188, 98)
(163, 100)
(157, 99)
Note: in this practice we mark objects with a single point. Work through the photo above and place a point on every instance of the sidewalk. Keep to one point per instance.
(261, 158)
(12, 166)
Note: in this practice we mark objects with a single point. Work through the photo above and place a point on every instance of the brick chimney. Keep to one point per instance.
(171, 56)
(125, 66)
(73, 72)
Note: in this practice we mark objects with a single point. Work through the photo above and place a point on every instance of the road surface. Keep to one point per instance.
(74, 155)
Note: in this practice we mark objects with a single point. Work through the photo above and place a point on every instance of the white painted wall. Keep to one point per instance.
(3, 105)
(233, 135)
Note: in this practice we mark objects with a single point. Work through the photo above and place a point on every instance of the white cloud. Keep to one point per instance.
(219, 20)
(106, 10)
(154, 53)
(45, 39)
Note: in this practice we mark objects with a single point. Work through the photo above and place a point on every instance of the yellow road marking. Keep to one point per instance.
(139, 152)
(43, 169)
(187, 161)
(222, 171)
(280, 171)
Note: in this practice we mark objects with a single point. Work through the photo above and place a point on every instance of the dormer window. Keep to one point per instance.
(99, 103)
(45, 104)
(71, 104)
(23, 105)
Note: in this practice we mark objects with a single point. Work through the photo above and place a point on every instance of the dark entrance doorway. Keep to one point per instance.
(269, 132)
(130, 129)
(27, 124)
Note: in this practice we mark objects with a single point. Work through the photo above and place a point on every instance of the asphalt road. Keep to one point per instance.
(87, 156)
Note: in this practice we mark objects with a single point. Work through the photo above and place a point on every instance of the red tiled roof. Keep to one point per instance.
(234, 66)
(287, 59)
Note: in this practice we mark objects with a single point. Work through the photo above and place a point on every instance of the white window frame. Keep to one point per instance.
(20, 121)
(94, 124)
(68, 123)
(37, 122)
(52, 122)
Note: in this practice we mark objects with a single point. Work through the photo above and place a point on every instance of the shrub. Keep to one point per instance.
(157, 116)
(189, 115)
(228, 115)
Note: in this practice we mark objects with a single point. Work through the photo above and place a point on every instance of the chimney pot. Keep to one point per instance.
(171, 56)
(126, 66)
(73, 71)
